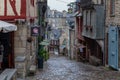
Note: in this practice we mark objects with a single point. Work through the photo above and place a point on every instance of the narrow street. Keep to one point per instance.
(86, 30)
(61, 68)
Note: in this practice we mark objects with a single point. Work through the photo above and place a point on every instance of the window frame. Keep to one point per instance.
(112, 8)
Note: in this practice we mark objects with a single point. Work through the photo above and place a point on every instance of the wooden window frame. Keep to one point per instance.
(112, 8)
(86, 18)
(90, 17)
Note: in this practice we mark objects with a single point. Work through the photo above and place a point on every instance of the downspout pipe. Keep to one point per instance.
(105, 52)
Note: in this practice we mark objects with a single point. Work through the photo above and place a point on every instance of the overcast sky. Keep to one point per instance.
(59, 5)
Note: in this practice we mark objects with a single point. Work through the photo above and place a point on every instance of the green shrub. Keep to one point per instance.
(44, 54)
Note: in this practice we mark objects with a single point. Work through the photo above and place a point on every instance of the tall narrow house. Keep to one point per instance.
(20, 52)
(93, 29)
(79, 46)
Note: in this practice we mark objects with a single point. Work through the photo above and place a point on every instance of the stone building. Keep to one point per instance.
(93, 12)
(112, 33)
(71, 26)
(112, 12)
(57, 24)
(22, 44)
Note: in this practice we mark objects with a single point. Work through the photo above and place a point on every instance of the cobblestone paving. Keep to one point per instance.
(61, 68)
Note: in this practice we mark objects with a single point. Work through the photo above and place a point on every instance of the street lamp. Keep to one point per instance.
(42, 6)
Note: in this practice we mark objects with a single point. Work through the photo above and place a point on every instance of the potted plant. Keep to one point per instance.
(40, 58)
(46, 56)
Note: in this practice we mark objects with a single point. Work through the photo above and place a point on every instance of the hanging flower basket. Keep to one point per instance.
(29, 39)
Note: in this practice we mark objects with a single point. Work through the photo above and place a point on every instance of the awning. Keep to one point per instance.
(7, 27)
(45, 43)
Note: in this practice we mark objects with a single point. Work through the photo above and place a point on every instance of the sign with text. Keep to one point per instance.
(35, 31)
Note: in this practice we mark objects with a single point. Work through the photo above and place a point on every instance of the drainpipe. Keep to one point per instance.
(69, 51)
(104, 53)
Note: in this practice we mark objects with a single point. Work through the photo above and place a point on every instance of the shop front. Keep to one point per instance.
(7, 44)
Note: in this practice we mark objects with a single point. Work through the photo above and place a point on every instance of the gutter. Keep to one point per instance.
(104, 53)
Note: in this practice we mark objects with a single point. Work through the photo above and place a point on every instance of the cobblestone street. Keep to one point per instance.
(61, 68)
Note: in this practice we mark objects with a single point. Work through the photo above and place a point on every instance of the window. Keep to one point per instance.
(32, 2)
(88, 18)
(84, 18)
(93, 18)
(112, 7)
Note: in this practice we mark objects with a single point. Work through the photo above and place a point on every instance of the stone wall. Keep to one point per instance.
(20, 41)
(64, 35)
(24, 51)
(113, 19)
(72, 42)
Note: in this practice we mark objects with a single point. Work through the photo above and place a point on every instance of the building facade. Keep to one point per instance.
(112, 33)
(55, 23)
(22, 44)
(90, 30)
(79, 46)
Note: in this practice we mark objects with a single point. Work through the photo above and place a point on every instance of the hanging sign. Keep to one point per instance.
(35, 31)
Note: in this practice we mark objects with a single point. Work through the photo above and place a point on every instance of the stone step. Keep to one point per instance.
(32, 70)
